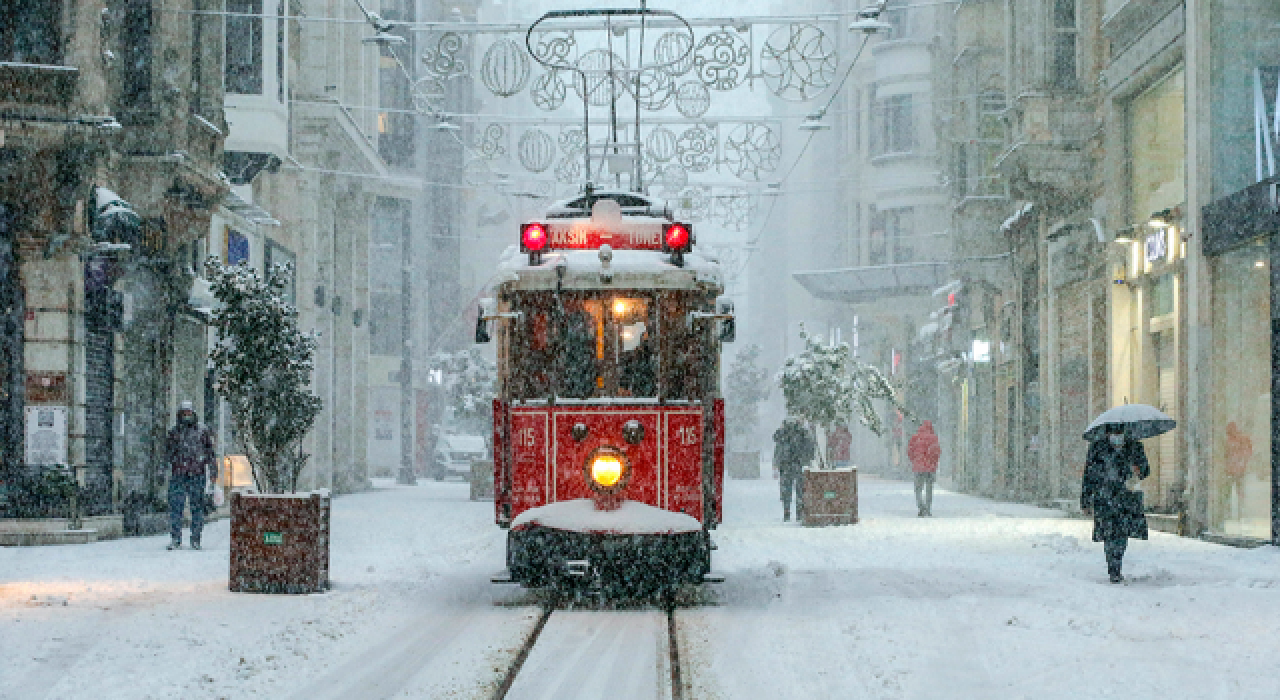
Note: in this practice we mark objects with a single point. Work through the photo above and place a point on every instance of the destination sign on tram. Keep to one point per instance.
(589, 235)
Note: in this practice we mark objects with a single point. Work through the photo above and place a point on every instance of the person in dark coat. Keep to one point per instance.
(1117, 511)
(189, 451)
(793, 449)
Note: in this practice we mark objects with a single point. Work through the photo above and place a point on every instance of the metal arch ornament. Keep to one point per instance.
(735, 209)
(693, 99)
(536, 150)
(427, 95)
(693, 203)
(720, 59)
(653, 89)
(602, 74)
(696, 148)
(798, 62)
(548, 91)
(505, 68)
(661, 144)
(751, 150)
(443, 61)
(553, 49)
(675, 51)
(490, 143)
(569, 169)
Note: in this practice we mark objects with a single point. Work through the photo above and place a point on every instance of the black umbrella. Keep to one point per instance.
(1139, 421)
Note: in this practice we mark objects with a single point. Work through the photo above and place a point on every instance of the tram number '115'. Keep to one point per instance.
(525, 438)
(688, 435)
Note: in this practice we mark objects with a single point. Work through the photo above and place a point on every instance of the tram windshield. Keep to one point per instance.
(606, 345)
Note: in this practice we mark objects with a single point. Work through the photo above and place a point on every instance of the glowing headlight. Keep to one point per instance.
(606, 470)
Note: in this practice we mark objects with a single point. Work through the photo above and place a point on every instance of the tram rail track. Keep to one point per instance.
(509, 688)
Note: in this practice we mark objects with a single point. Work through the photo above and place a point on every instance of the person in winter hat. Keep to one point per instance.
(189, 450)
(793, 448)
(1117, 511)
(923, 450)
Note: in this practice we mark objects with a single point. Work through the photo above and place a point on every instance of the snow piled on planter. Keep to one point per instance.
(630, 518)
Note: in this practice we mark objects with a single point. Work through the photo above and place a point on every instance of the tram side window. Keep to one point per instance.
(687, 352)
(634, 345)
(532, 350)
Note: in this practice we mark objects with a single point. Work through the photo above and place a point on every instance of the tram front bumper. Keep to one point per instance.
(540, 556)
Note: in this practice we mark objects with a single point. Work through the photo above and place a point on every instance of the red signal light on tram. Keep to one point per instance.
(677, 237)
(533, 238)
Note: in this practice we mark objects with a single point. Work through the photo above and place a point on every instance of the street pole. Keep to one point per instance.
(406, 353)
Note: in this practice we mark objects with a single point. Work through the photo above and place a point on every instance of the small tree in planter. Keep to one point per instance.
(263, 365)
(746, 384)
(469, 381)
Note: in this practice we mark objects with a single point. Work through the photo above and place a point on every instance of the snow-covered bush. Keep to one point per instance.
(823, 385)
(263, 365)
(469, 382)
(746, 384)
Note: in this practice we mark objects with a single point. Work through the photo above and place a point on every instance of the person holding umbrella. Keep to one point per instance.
(1115, 456)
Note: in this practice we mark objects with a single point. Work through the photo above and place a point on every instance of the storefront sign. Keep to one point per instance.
(46, 435)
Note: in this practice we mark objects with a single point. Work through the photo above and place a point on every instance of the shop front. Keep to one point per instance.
(1240, 229)
(1148, 295)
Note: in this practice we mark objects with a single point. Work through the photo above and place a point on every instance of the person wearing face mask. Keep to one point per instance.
(1117, 511)
(189, 450)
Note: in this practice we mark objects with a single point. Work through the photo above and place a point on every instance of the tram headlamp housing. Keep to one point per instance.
(607, 470)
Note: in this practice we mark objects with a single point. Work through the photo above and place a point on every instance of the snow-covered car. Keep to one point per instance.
(454, 453)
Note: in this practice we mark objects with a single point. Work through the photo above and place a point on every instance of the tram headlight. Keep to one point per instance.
(607, 470)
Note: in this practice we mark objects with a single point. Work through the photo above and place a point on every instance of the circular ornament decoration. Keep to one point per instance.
(752, 149)
(798, 62)
(505, 68)
(476, 172)
(661, 144)
(537, 150)
(655, 90)
(444, 60)
(674, 51)
(696, 148)
(720, 59)
(693, 203)
(604, 73)
(427, 95)
(554, 48)
(670, 177)
(572, 141)
(569, 169)
(490, 142)
(735, 209)
(693, 99)
(548, 91)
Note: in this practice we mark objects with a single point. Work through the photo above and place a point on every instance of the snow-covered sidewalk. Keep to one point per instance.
(985, 600)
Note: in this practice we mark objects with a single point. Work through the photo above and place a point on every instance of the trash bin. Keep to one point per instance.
(830, 496)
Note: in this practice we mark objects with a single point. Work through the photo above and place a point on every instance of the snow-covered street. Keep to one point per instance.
(985, 600)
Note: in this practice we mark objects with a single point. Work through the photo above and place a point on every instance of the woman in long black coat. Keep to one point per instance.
(1117, 511)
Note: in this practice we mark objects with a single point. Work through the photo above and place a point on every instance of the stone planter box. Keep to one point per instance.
(26, 532)
(482, 480)
(279, 542)
(743, 465)
(830, 496)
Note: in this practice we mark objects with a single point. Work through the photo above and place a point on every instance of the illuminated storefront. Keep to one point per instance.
(1240, 228)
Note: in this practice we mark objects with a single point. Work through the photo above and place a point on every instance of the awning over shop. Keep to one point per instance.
(876, 282)
(250, 212)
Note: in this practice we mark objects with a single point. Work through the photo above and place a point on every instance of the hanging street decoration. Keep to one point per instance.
(537, 150)
(674, 51)
(604, 73)
(548, 91)
(720, 59)
(505, 68)
(693, 204)
(734, 209)
(693, 99)
(696, 148)
(751, 150)
(443, 61)
(654, 89)
(490, 142)
(661, 144)
(798, 62)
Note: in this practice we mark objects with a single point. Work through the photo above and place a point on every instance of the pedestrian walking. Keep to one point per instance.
(923, 450)
(793, 449)
(839, 446)
(189, 450)
(1104, 493)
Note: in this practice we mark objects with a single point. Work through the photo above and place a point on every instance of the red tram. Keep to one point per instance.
(609, 426)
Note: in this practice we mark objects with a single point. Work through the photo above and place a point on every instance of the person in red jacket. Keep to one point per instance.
(923, 450)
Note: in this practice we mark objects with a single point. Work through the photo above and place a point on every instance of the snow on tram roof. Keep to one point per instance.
(631, 203)
(631, 269)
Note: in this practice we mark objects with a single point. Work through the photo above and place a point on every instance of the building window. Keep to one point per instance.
(280, 71)
(237, 247)
(891, 236)
(135, 41)
(386, 292)
(1062, 45)
(244, 47)
(894, 130)
(29, 31)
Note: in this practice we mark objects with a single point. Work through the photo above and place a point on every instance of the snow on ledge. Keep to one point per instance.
(631, 518)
